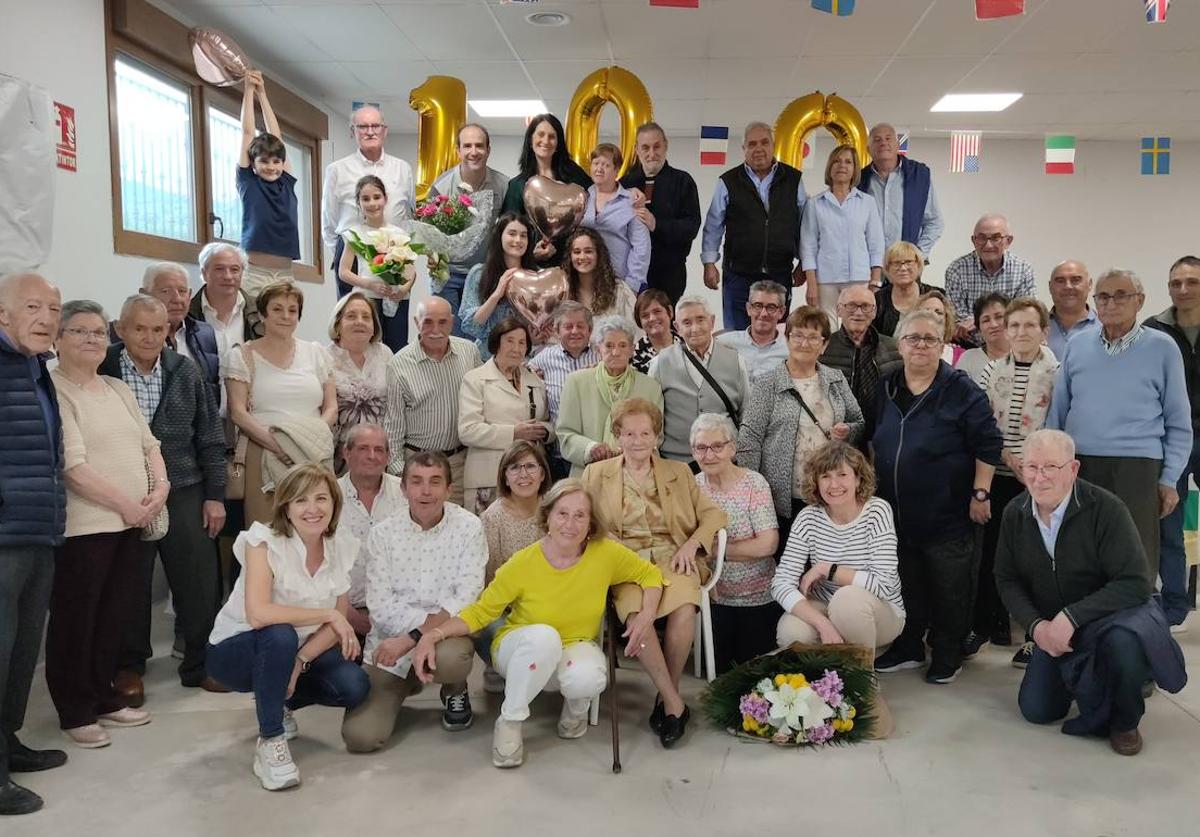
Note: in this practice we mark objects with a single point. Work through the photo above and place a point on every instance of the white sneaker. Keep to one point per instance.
(493, 683)
(290, 728)
(273, 764)
(127, 717)
(508, 750)
(573, 720)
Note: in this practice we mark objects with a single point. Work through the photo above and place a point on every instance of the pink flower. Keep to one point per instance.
(448, 209)
(379, 259)
(465, 200)
(441, 198)
(821, 734)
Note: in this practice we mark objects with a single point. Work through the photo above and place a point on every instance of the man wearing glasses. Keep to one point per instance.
(760, 345)
(338, 206)
(989, 269)
(859, 351)
(1070, 569)
(1121, 395)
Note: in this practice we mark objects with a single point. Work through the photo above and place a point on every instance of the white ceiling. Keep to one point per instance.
(1093, 68)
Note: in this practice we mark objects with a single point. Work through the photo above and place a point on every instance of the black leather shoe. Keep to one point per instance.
(15, 799)
(657, 716)
(22, 759)
(673, 728)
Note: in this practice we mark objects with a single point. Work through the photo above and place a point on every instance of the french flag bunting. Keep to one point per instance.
(841, 8)
(1156, 11)
(714, 144)
(992, 9)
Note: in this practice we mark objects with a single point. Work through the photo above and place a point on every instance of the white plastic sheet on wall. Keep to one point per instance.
(27, 174)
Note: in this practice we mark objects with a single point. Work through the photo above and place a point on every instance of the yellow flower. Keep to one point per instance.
(852, 712)
(780, 679)
(747, 723)
(848, 724)
(797, 681)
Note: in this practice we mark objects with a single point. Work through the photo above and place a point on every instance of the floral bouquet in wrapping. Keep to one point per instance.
(450, 227)
(389, 253)
(803, 696)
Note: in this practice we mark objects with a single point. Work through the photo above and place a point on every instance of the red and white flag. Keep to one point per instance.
(991, 9)
(1156, 11)
(964, 151)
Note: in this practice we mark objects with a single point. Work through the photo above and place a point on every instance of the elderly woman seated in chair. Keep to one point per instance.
(654, 507)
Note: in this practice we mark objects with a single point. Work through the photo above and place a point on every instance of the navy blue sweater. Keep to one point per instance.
(33, 497)
(925, 460)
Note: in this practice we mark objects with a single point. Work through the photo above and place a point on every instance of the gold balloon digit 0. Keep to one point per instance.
(626, 92)
(441, 106)
(816, 110)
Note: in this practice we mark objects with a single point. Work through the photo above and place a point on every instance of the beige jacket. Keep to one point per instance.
(488, 412)
(305, 439)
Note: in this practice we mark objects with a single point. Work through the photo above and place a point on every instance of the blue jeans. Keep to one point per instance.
(1044, 697)
(1172, 562)
(261, 661)
(735, 292)
(452, 293)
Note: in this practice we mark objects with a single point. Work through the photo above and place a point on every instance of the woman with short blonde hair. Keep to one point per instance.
(903, 263)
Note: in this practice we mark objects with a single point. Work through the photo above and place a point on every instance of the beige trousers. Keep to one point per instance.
(860, 616)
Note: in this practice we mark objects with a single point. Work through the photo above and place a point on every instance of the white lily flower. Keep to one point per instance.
(797, 708)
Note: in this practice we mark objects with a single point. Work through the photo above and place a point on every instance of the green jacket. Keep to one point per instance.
(583, 415)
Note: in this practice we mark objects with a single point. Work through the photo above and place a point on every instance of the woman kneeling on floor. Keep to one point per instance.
(556, 589)
(283, 633)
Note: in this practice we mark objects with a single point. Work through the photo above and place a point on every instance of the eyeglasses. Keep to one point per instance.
(1043, 470)
(1119, 298)
(373, 126)
(860, 307)
(769, 307)
(97, 336)
(994, 238)
(926, 340)
(716, 448)
(523, 468)
(806, 339)
(899, 263)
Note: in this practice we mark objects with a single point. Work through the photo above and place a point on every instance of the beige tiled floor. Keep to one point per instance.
(961, 763)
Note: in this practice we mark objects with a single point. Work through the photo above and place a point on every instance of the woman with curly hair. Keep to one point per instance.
(591, 278)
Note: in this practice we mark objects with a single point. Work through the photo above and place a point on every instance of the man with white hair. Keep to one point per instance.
(697, 376)
(190, 336)
(860, 352)
(757, 208)
(990, 268)
(221, 302)
(1122, 396)
(339, 208)
(1071, 570)
(903, 191)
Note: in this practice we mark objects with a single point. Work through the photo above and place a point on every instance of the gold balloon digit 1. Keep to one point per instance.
(816, 110)
(623, 90)
(441, 106)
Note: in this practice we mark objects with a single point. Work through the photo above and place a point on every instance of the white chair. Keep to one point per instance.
(702, 648)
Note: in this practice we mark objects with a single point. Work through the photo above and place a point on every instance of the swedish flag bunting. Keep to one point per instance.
(841, 8)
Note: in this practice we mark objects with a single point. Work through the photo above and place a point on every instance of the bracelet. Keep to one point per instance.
(441, 634)
(832, 570)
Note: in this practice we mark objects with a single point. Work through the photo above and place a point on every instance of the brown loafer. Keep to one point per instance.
(210, 684)
(128, 686)
(1128, 743)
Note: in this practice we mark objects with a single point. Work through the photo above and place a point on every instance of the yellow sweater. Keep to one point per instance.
(571, 601)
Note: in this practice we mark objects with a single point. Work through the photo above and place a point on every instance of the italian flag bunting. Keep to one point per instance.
(1060, 154)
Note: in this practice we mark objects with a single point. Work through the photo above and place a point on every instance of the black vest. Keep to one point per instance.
(761, 239)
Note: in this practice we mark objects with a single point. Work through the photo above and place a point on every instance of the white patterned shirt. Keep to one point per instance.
(412, 573)
(967, 281)
(147, 389)
(357, 521)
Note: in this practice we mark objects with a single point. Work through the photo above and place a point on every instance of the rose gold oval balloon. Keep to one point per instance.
(536, 293)
(218, 58)
(554, 208)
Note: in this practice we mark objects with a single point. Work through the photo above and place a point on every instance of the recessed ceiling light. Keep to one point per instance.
(498, 108)
(964, 102)
(548, 19)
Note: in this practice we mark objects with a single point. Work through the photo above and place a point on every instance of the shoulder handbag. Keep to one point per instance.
(734, 413)
(157, 528)
(235, 465)
(804, 406)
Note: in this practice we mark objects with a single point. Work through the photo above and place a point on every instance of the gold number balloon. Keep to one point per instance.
(626, 92)
(441, 106)
(816, 110)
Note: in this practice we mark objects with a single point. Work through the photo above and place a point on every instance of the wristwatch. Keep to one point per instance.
(981, 494)
(305, 665)
(416, 634)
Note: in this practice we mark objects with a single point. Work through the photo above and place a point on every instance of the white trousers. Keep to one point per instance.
(533, 657)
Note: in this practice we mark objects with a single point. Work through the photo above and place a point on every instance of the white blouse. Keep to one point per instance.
(290, 583)
(362, 229)
(276, 393)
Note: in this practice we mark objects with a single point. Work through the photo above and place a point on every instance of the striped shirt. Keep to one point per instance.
(147, 389)
(422, 398)
(554, 365)
(1010, 427)
(867, 545)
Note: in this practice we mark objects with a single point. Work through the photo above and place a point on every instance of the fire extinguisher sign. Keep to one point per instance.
(64, 120)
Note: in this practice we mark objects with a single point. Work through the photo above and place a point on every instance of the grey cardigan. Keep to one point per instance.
(771, 422)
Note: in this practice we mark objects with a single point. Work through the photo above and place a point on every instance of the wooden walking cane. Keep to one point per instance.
(613, 629)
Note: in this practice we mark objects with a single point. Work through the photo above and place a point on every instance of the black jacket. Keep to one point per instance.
(1098, 567)
(762, 239)
(676, 210)
(1165, 322)
(843, 355)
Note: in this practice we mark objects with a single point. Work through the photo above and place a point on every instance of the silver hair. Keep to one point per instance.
(713, 422)
(570, 306)
(1121, 273)
(754, 126)
(606, 325)
(75, 307)
(993, 216)
(216, 248)
(1052, 438)
(767, 286)
(376, 108)
(932, 318)
(150, 277)
(358, 429)
(693, 299)
(141, 301)
(423, 306)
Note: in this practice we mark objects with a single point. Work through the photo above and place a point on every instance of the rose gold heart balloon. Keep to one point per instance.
(535, 294)
(218, 58)
(554, 208)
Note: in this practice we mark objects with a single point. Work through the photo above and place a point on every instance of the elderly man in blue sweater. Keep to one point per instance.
(1121, 395)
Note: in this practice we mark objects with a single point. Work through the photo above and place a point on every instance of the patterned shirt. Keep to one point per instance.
(644, 352)
(1111, 347)
(555, 364)
(358, 521)
(751, 510)
(413, 572)
(967, 281)
(147, 389)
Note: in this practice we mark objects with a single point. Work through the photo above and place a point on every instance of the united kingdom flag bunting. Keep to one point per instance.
(1156, 11)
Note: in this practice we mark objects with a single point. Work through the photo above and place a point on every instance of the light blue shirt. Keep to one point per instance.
(1058, 336)
(841, 241)
(714, 222)
(889, 199)
(627, 238)
(759, 359)
(1050, 533)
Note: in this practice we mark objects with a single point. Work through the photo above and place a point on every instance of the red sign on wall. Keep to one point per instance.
(66, 147)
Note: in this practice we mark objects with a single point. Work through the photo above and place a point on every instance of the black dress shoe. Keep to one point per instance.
(657, 716)
(15, 799)
(22, 759)
(673, 727)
